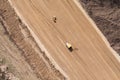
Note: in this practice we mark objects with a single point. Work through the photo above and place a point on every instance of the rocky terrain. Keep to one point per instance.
(5, 74)
(107, 19)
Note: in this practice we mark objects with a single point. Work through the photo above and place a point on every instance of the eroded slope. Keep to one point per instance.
(11, 57)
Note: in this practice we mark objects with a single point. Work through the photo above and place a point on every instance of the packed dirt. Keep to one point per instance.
(107, 19)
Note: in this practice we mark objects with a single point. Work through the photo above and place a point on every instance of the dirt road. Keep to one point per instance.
(91, 60)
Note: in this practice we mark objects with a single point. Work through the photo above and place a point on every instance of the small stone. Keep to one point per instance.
(10, 76)
(3, 68)
(0, 74)
(1, 60)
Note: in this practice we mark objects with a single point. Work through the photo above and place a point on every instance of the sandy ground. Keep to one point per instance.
(92, 60)
(12, 56)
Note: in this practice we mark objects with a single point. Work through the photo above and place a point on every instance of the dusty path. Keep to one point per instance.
(92, 61)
